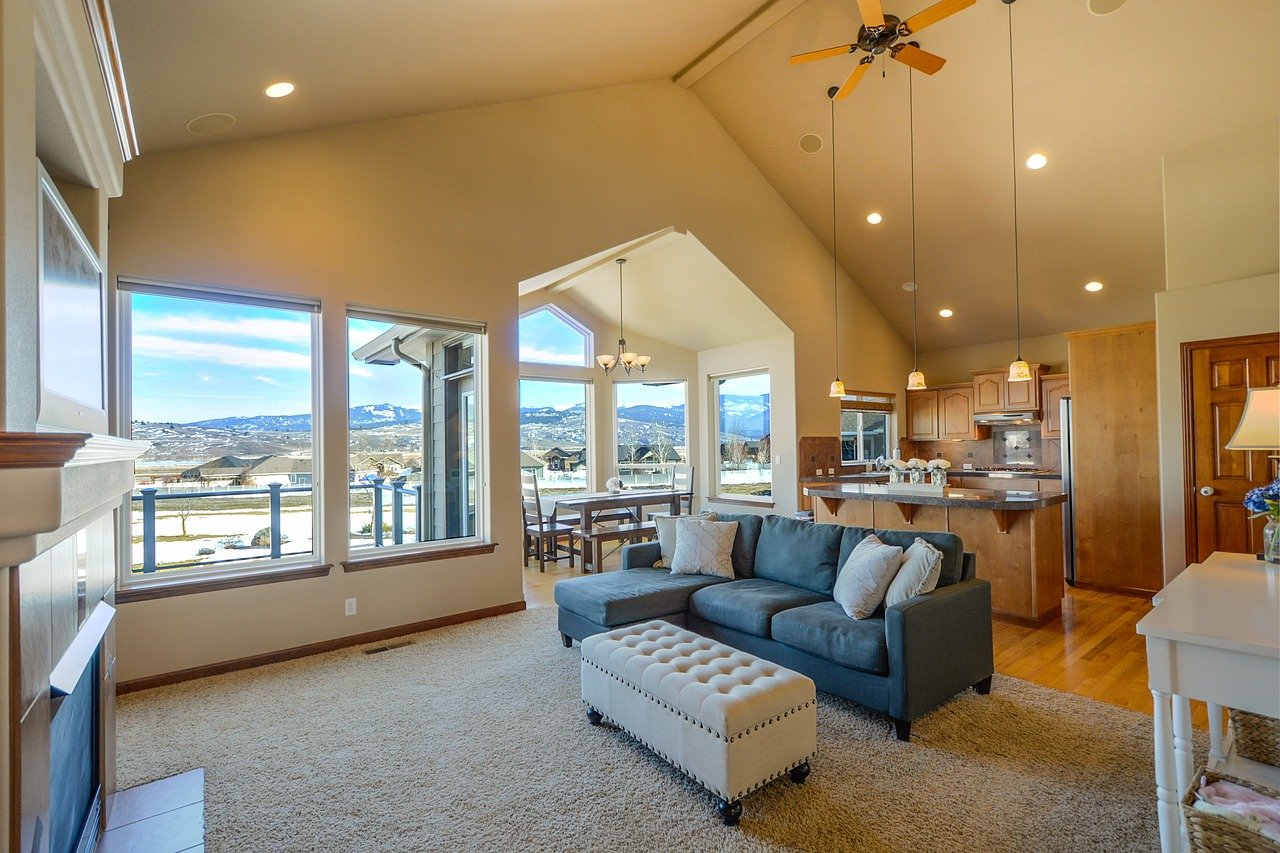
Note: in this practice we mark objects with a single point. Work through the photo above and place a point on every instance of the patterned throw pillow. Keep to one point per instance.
(865, 576)
(703, 547)
(667, 534)
(921, 566)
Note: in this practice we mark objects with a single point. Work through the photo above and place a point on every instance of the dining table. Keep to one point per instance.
(588, 506)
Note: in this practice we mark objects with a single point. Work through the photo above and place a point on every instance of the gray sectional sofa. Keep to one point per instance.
(902, 661)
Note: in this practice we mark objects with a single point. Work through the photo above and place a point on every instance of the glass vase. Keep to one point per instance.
(917, 477)
(1271, 541)
(938, 476)
(895, 475)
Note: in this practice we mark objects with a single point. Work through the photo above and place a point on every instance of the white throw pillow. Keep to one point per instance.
(865, 576)
(921, 566)
(703, 547)
(667, 534)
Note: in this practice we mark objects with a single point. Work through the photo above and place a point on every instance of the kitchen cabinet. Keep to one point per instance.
(955, 413)
(922, 415)
(993, 392)
(1052, 390)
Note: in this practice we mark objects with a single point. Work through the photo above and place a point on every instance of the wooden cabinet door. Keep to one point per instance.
(990, 391)
(1023, 396)
(922, 415)
(1217, 376)
(955, 412)
(1052, 390)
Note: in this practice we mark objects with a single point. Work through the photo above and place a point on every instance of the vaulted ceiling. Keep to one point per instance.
(1103, 97)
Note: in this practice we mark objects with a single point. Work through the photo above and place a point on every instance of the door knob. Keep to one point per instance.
(1206, 490)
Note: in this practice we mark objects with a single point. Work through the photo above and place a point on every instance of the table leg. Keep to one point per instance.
(1183, 753)
(589, 563)
(1166, 775)
(1215, 734)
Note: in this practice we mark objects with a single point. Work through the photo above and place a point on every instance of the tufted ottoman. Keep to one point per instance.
(729, 720)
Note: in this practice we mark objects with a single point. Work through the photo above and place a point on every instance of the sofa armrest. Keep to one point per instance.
(939, 644)
(641, 555)
(969, 568)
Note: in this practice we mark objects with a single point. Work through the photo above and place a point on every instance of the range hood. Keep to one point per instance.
(1008, 418)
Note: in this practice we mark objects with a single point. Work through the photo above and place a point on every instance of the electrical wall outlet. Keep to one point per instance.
(350, 609)
(831, 471)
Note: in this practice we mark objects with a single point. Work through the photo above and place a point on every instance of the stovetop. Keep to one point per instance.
(1027, 468)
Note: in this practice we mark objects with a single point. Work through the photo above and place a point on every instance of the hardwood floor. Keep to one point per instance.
(1092, 650)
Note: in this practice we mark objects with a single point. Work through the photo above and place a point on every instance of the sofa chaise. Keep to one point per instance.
(902, 661)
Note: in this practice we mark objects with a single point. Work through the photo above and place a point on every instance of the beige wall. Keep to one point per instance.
(444, 214)
(1222, 209)
(947, 366)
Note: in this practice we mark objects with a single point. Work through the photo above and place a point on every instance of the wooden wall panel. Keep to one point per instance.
(1002, 557)
(1117, 475)
(887, 516)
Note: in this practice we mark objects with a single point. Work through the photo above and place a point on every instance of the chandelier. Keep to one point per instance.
(629, 360)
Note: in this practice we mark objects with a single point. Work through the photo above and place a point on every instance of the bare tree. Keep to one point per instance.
(661, 444)
(182, 508)
(765, 454)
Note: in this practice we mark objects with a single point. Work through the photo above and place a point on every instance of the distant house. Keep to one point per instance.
(558, 460)
(285, 470)
(530, 463)
(385, 464)
(255, 471)
(641, 454)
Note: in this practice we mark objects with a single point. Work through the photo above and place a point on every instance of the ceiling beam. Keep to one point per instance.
(565, 277)
(737, 38)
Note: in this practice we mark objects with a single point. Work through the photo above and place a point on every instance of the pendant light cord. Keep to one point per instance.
(835, 261)
(915, 284)
(1013, 160)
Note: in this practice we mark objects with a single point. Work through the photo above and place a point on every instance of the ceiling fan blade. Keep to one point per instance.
(936, 12)
(855, 76)
(838, 50)
(920, 60)
(872, 13)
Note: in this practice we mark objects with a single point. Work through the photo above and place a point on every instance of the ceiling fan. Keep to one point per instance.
(880, 33)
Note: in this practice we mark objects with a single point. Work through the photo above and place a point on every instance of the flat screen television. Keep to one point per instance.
(71, 353)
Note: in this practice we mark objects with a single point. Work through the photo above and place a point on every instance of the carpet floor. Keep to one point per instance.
(473, 737)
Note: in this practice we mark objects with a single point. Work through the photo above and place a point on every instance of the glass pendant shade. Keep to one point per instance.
(1260, 424)
(606, 361)
(837, 389)
(1019, 371)
(915, 382)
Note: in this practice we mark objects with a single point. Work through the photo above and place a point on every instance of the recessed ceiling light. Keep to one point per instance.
(278, 90)
(211, 123)
(946, 312)
(1093, 286)
(874, 218)
(1037, 161)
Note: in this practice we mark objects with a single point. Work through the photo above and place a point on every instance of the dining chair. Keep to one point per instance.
(540, 533)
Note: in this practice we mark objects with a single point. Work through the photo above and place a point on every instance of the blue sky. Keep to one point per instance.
(400, 384)
(547, 339)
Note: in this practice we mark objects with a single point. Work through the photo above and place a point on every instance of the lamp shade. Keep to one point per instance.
(915, 382)
(1019, 371)
(837, 389)
(1259, 427)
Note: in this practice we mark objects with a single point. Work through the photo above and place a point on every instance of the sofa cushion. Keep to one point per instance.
(949, 544)
(918, 574)
(704, 547)
(666, 526)
(635, 595)
(865, 577)
(744, 543)
(825, 631)
(748, 605)
(799, 553)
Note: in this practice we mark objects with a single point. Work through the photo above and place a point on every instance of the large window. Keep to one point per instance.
(550, 336)
(864, 427)
(221, 385)
(650, 429)
(555, 434)
(412, 423)
(740, 405)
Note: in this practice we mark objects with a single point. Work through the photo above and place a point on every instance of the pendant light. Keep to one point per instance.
(629, 360)
(1019, 370)
(915, 382)
(837, 387)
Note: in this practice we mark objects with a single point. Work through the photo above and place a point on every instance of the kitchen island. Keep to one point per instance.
(1016, 535)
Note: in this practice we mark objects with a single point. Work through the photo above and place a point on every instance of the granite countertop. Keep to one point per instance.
(882, 476)
(971, 498)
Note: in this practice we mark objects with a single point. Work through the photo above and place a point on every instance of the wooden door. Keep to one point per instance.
(922, 415)
(1216, 377)
(990, 391)
(1052, 390)
(955, 412)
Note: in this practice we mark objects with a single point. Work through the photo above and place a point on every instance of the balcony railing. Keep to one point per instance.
(150, 498)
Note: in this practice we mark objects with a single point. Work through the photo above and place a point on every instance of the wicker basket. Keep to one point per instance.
(1256, 737)
(1208, 833)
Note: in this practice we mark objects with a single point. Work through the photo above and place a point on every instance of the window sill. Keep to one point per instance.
(405, 558)
(195, 586)
(741, 501)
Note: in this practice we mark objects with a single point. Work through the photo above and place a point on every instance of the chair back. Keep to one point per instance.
(530, 504)
(682, 478)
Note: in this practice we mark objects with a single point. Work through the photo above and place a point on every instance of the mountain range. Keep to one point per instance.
(361, 417)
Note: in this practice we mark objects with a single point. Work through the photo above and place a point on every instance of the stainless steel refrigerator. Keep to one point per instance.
(1068, 489)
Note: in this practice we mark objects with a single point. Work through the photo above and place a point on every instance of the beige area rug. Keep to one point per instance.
(474, 738)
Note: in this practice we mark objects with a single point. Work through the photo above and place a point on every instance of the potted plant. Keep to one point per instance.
(938, 471)
(915, 468)
(1264, 501)
(897, 470)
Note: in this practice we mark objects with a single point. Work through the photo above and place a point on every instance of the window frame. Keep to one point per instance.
(614, 420)
(864, 403)
(588, 393)
(714, 382)
(121, 370)
(588, 342)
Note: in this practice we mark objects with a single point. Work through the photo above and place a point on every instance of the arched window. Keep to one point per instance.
(550, 336)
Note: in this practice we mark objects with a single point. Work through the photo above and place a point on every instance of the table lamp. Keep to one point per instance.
(1259, 427)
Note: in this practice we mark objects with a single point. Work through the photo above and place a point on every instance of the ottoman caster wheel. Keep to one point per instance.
(594, 717)
(730, 813)
(799, 774)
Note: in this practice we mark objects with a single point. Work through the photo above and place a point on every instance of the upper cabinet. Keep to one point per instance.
(922, 415)
(1052, 389)
(993, 392)
(943, 412)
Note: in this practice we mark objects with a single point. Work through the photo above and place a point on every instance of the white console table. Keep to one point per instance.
(1213, 635)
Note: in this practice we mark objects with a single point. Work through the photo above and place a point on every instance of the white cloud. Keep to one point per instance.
(284, 331)
(546, 356)
(158, 346)
(269, 381)
(361, 370)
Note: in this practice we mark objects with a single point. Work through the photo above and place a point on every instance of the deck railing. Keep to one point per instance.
(150, 497)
